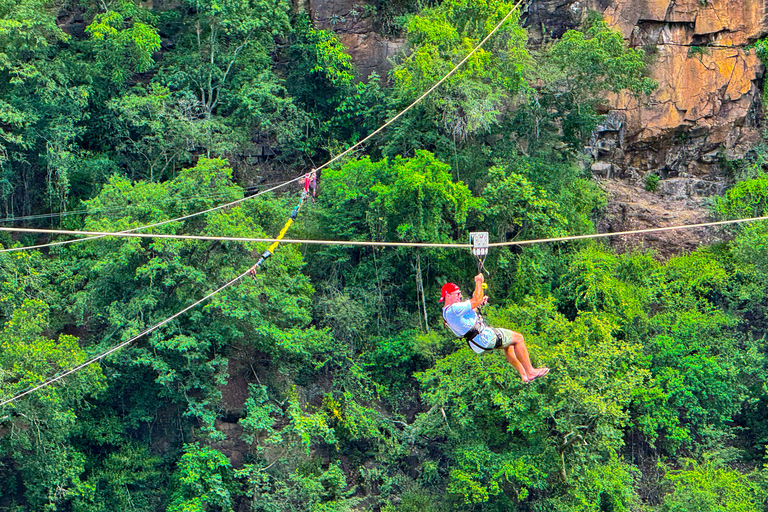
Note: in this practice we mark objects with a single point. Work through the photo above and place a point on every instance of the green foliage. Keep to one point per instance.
(470, 102)
(710, 487)
(129, 477)
(600, 61)
(203, 481)
(577, 69)
(591, 284)
(35, 428)
(515, 207)
(132, 284)
(308, 488)
(745, 199)
(156, 130)
(564, 426)
(695, 50)
(652, 182)
(119, 44)
(221, 80)
(404, 199)
(335, 110)
(394, 359)
(604, 486)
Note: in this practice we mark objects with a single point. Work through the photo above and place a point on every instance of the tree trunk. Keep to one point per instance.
(420, 291)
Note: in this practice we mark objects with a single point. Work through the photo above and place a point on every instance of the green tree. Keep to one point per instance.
(471, 101)
(124, 40)
(709, 486)
(35, 436)
(203, 481)
(576, 72)
(131, 284)
(221, 79)
(560, 428)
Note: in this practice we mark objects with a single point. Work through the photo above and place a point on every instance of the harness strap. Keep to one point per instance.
(475, 330)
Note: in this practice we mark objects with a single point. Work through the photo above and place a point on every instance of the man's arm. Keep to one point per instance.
(478, 299)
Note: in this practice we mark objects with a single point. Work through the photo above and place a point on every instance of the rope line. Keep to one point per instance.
(104, 354)
(116, 209)
(123, 234)
(132, 230)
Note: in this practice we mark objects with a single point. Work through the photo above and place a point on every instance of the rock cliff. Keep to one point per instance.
(707, 108)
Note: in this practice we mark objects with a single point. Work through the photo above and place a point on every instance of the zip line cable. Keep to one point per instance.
(132, 230)
(102, 234)
(116, 209)
(104, 354)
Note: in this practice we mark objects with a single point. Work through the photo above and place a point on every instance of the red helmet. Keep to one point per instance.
(446, 289)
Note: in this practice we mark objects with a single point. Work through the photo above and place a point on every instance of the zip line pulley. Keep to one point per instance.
(479, 242)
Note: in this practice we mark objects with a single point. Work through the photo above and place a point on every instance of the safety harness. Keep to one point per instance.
(476, 329)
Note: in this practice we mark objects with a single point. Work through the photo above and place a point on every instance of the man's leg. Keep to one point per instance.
(514, 342)
(509, 352)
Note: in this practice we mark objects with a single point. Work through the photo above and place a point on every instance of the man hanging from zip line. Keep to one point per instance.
(461, 317)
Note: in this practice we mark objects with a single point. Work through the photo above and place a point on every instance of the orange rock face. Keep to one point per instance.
(735, 22)
(707, 80)
(702, 89)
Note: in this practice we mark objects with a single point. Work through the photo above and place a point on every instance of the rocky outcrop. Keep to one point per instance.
(708, 82)
(678, 201)
(719, 22)
(708, 99)
(707, 107)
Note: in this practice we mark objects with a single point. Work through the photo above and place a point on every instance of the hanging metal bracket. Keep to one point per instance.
(479, 241)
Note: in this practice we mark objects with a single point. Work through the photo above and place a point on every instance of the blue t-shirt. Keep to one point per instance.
(460, 317)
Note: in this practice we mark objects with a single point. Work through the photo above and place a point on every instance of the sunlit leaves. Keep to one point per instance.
(710, 486)
(137, 42)
(412, 199)
(34, 429)
(470, 102)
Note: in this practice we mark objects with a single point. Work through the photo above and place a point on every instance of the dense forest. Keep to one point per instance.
(327, 382)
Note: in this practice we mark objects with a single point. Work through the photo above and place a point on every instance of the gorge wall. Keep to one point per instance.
(707, 107)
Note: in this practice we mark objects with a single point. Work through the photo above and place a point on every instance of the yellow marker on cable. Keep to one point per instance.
(280, 236)
(271, 248)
